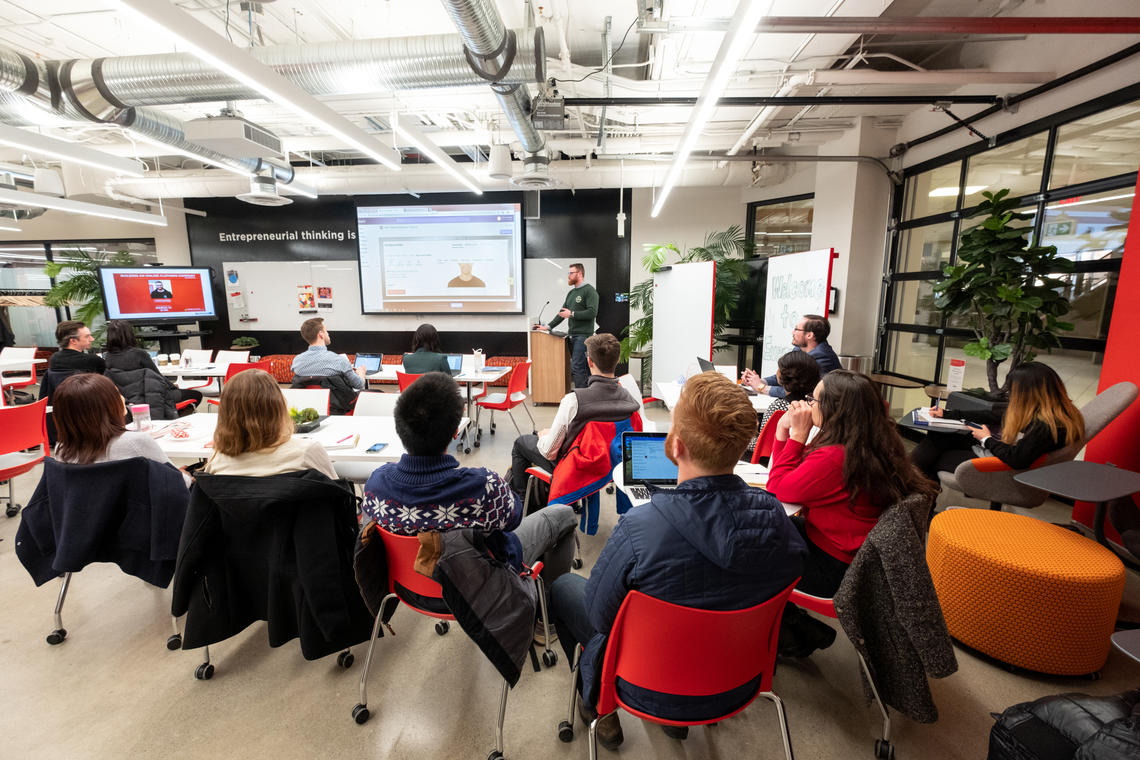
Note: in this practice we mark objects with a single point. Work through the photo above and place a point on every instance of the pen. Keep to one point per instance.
(342, 440)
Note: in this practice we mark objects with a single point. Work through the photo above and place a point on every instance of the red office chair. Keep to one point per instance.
(405, 379)
(13, 379)
(766, 438)
(405, 585)
(21, 427)
(505, 402)
(680, 650)
(232, 370)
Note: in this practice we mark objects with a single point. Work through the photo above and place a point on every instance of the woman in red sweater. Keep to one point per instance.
(853, 469)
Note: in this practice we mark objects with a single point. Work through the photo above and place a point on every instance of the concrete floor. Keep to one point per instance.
(112, 689)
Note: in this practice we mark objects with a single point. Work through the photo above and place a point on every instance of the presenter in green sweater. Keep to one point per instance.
(581, 308)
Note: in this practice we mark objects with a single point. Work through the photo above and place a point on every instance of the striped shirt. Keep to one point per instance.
(318, 361)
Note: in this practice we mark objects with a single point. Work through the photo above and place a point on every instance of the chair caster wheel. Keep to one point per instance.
(57, 636)
(610, 489)
(495, 755)
(345, 660)
(565, 732)
(360, 714)
(533, 431)
(442, 627)
(12, 510)
(476, 444)
(174, 642)
(1094, 676)
(577, 563)
(884, 750)
(549, 658)
(468, 449)
(204, 672)
(492, 431)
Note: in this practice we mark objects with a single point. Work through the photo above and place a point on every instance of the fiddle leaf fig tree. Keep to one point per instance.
(1005, 288)
(76, 275)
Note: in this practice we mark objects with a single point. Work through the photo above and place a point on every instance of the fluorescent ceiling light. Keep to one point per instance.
(734, 45)
(168, 149)
(419, 139)
(65, 150)
(1062, 205)
(36, 200)
(216, 51)
(951, 191)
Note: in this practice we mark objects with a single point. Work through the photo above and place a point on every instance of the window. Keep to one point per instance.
(781, 226)
(933, 192)
(1017, 166)
(1102, 145)
(926, 248)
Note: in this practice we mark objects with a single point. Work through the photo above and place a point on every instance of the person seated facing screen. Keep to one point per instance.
(89, 413)
(254, 434)
(797, 373)
(852, 470)
(427, 490)
(809, 335)
(318, 361)
(425, 356)
(74, 340)
(124, 354)
(604, 398)
(713, 542)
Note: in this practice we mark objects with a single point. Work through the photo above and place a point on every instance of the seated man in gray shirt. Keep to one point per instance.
(318, 361)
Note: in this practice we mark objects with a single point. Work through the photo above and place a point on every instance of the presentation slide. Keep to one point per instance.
(157, 293)
(441, 259)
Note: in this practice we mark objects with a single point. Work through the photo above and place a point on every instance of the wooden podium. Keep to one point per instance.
(550, 372)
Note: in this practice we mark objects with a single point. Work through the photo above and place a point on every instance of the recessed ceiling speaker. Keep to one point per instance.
(499, 166)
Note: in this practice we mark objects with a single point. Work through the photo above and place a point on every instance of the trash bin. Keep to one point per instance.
(855, 362)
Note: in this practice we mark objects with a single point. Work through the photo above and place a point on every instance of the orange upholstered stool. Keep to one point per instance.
(1023, 591)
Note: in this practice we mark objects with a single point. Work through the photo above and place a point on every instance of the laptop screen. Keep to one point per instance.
(644, 460)
(705, 365)
(455, 363)
(370, 362)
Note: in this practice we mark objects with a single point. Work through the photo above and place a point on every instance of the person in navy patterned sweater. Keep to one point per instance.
(427, 490)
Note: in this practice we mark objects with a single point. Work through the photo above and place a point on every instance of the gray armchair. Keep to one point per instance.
(989, 478)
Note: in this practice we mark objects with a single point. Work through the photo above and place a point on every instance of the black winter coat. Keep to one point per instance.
(342, 396)
(275, 548)
(145, 386)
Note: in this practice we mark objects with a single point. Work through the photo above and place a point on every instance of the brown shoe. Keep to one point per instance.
(609, 727)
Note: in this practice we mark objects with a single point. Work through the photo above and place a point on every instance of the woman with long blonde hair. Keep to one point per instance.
(1040, 419)
(254, 434)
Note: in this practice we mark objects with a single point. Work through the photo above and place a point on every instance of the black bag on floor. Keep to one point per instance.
(1069, 726)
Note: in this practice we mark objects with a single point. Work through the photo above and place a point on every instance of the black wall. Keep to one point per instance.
(572, 225)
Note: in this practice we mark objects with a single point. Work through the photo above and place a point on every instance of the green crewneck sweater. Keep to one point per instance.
(583, 301)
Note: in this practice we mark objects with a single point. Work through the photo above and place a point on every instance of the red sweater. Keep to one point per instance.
(815, 481)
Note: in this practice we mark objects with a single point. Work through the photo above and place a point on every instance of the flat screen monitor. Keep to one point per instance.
(749, 311)
(441, 259)
(157, 294)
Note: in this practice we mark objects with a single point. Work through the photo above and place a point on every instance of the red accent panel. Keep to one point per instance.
(1119, 443)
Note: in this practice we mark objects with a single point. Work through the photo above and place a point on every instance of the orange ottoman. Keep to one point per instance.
(1023, 591)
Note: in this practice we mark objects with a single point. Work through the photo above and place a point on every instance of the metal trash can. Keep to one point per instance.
(855, 362)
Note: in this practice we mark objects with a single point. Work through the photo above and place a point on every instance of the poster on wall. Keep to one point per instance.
(324, 297)
(798, 284)
(306, 301)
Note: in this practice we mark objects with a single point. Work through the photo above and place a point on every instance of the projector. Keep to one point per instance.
(234, 136)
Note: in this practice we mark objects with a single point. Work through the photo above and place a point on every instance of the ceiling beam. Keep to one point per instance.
(916, 25)
(793, 100)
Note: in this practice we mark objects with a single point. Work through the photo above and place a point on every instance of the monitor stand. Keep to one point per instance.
(170, 338)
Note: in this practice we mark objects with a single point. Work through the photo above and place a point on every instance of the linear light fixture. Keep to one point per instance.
(168, 149)
(735, 44)
(949, 192)
(36, 200)
(419, 139)
(217, 52)
(65, 150)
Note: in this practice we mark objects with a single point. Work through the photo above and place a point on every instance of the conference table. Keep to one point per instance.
(670, 392)
(202, 370)
(467, 378)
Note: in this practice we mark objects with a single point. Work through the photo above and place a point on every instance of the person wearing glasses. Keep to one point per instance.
(852, 470)
(809, 335)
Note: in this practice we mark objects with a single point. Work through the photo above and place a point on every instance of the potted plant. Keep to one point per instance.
(727, 248)
(80, 290)
(244, 343)
(1005, 288)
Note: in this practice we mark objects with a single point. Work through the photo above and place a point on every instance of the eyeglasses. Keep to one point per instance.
(798, 329)
(810, 401)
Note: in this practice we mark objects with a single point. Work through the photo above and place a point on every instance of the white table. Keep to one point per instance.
(752, 474)
(670, 392)
(387, 373)
(204, 370)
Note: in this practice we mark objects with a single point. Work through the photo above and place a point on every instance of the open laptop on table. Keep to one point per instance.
(707, 366)
(455, 363)
(370, 362)
(644, 463)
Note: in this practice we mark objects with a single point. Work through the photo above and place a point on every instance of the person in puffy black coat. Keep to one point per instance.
(123, 354)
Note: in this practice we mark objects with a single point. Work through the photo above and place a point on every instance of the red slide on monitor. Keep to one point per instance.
(159, 293)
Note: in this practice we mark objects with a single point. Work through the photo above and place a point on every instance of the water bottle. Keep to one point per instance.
(140, 414)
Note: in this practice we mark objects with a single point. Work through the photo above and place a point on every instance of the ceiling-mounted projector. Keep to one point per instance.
(263, 192)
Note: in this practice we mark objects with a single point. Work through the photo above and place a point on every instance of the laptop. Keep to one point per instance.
(707, 366)
(370, 362)
(455, 363)
(644, 463)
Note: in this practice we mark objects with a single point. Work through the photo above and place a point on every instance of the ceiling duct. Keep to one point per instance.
(263, 192)
(535, 174)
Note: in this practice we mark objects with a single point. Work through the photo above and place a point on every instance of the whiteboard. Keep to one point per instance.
(267, 291)
(682, 318)
(798, 284)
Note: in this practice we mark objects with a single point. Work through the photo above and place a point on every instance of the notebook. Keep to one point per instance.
(370, 362)
(644, 463)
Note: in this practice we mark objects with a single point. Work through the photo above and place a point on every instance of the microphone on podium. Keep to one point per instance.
(538, 320)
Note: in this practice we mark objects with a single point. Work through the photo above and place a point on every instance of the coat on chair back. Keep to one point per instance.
(275, 548)
(145, 386)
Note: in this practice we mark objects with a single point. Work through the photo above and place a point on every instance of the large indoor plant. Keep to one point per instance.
(1005, 288)
(76, 276)
(726, 248)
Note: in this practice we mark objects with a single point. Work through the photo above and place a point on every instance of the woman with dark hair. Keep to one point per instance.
(88, 413)
(123, 353)
(797, 373)
(1040, 419)
(254, 434)
(425, 356)
(851, 471)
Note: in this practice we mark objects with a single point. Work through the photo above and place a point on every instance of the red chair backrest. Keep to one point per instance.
(767, 437)
(237, 367)
(680, 650)
(22, 427)
(401, 552)
(518, 379)
(405, 380)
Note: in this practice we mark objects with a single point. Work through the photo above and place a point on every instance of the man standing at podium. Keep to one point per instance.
(581, 308)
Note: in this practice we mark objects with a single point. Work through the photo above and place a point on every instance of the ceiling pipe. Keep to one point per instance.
(909, 25)
(793, 100)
